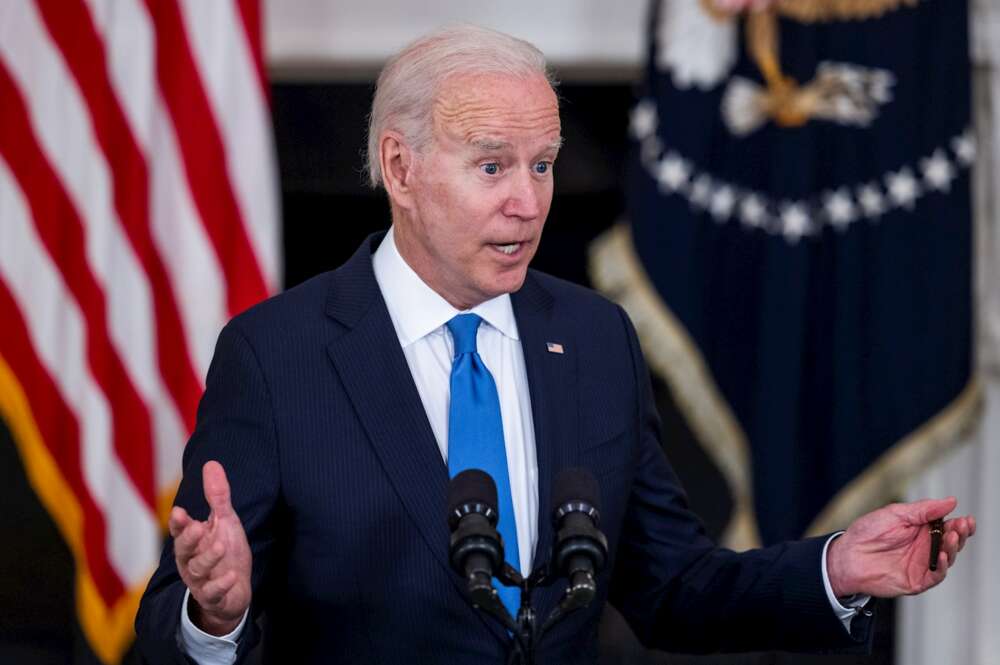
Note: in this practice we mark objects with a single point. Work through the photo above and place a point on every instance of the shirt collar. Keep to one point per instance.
(416, 309)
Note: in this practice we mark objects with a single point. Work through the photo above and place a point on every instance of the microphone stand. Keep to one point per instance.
(524, 628)
(486, 599)
(580, 551)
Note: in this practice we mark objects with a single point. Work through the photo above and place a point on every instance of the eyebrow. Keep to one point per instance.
(496, 145)
(490, 145)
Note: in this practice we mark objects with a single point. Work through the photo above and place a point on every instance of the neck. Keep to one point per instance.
(409, 249)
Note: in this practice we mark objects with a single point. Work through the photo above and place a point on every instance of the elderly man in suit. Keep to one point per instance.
(315, 483)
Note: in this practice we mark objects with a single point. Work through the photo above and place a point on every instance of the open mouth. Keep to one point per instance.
(509, 249)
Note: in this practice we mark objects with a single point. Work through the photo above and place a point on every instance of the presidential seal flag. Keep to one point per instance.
(138, 212)
(798, 245)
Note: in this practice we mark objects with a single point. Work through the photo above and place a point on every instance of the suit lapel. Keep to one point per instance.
(374, 372)
(552, 382)
(377, 378)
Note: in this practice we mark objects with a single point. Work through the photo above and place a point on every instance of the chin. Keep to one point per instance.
(508, 282)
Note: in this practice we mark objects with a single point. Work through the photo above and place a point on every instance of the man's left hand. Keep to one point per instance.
(886, 552)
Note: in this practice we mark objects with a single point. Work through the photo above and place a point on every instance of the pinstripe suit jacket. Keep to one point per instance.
(335, 473)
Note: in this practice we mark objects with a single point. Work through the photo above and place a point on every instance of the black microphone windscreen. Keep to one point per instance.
(472, 486)
(576, 484)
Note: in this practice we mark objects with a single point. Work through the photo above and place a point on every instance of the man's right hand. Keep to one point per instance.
(213, 557)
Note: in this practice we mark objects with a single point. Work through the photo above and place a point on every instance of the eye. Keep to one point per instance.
(542, 168)
(490, 168)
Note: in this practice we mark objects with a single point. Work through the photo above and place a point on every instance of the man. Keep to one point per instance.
(315, 483)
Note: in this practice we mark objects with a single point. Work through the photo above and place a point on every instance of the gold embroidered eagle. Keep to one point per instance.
(785, 101)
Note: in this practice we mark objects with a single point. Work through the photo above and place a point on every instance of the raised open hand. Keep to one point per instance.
(213, 557)
(886, 552)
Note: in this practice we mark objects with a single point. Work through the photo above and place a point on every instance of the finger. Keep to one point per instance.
(943, 566)
(179, 519)
(968, 529)
(935, 577)
(187, 541)
(961, 540)
(214, 591)
(921, 512)
(950, 547)
(962, 526)
(216, 486)
(201, 566)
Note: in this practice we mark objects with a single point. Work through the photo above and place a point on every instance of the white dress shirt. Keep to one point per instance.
(419, 316)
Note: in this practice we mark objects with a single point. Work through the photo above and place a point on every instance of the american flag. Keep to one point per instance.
(138, 212)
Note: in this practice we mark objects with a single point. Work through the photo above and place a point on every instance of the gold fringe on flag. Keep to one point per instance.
(109, 630)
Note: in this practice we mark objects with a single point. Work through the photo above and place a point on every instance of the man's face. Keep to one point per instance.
(482, 190)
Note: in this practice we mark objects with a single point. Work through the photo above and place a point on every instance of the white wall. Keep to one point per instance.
(339, 35)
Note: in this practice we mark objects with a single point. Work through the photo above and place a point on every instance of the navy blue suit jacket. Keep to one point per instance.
(336, 475)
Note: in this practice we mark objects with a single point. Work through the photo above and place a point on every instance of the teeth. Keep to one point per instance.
(509, 249)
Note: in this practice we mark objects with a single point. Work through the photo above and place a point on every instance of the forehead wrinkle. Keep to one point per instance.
(490, 130)
(490, 114)
(474, 118)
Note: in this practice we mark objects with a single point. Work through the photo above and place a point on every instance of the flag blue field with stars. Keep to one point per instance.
(797, 253)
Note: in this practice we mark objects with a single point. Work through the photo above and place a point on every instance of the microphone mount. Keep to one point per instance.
(579, 552)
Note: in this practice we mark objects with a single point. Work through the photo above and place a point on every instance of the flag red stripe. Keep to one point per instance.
(70, 24)
(61, 433)
(61, 231)
(253, 27)
(204, 157)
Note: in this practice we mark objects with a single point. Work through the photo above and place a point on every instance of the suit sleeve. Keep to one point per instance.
(680, 592)
(236, 427)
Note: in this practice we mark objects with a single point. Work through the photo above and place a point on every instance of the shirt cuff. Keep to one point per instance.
(845, 608)
(203, 648)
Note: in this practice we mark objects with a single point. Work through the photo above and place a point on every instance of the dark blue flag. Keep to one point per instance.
(798, 253)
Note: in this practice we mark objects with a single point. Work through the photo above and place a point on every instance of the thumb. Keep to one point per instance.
(213, 478)
(926, 510)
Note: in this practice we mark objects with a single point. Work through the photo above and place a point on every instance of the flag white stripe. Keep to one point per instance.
(222, 54)
(62, 123)
(58, 335)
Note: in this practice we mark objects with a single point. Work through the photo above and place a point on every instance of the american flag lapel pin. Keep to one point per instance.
(553, 347)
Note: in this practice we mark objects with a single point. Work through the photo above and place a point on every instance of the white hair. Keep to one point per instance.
(410, 81)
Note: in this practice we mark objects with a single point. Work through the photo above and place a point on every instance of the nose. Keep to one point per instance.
(526, 196)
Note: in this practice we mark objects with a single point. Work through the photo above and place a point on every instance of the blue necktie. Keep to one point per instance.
(475, 436)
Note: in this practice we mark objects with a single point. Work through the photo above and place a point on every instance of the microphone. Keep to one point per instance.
(476, 549)
(580, 550)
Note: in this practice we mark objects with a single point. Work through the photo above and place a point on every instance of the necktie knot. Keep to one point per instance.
(463, 329)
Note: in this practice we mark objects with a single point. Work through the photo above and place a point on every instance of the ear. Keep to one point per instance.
(396, 159)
